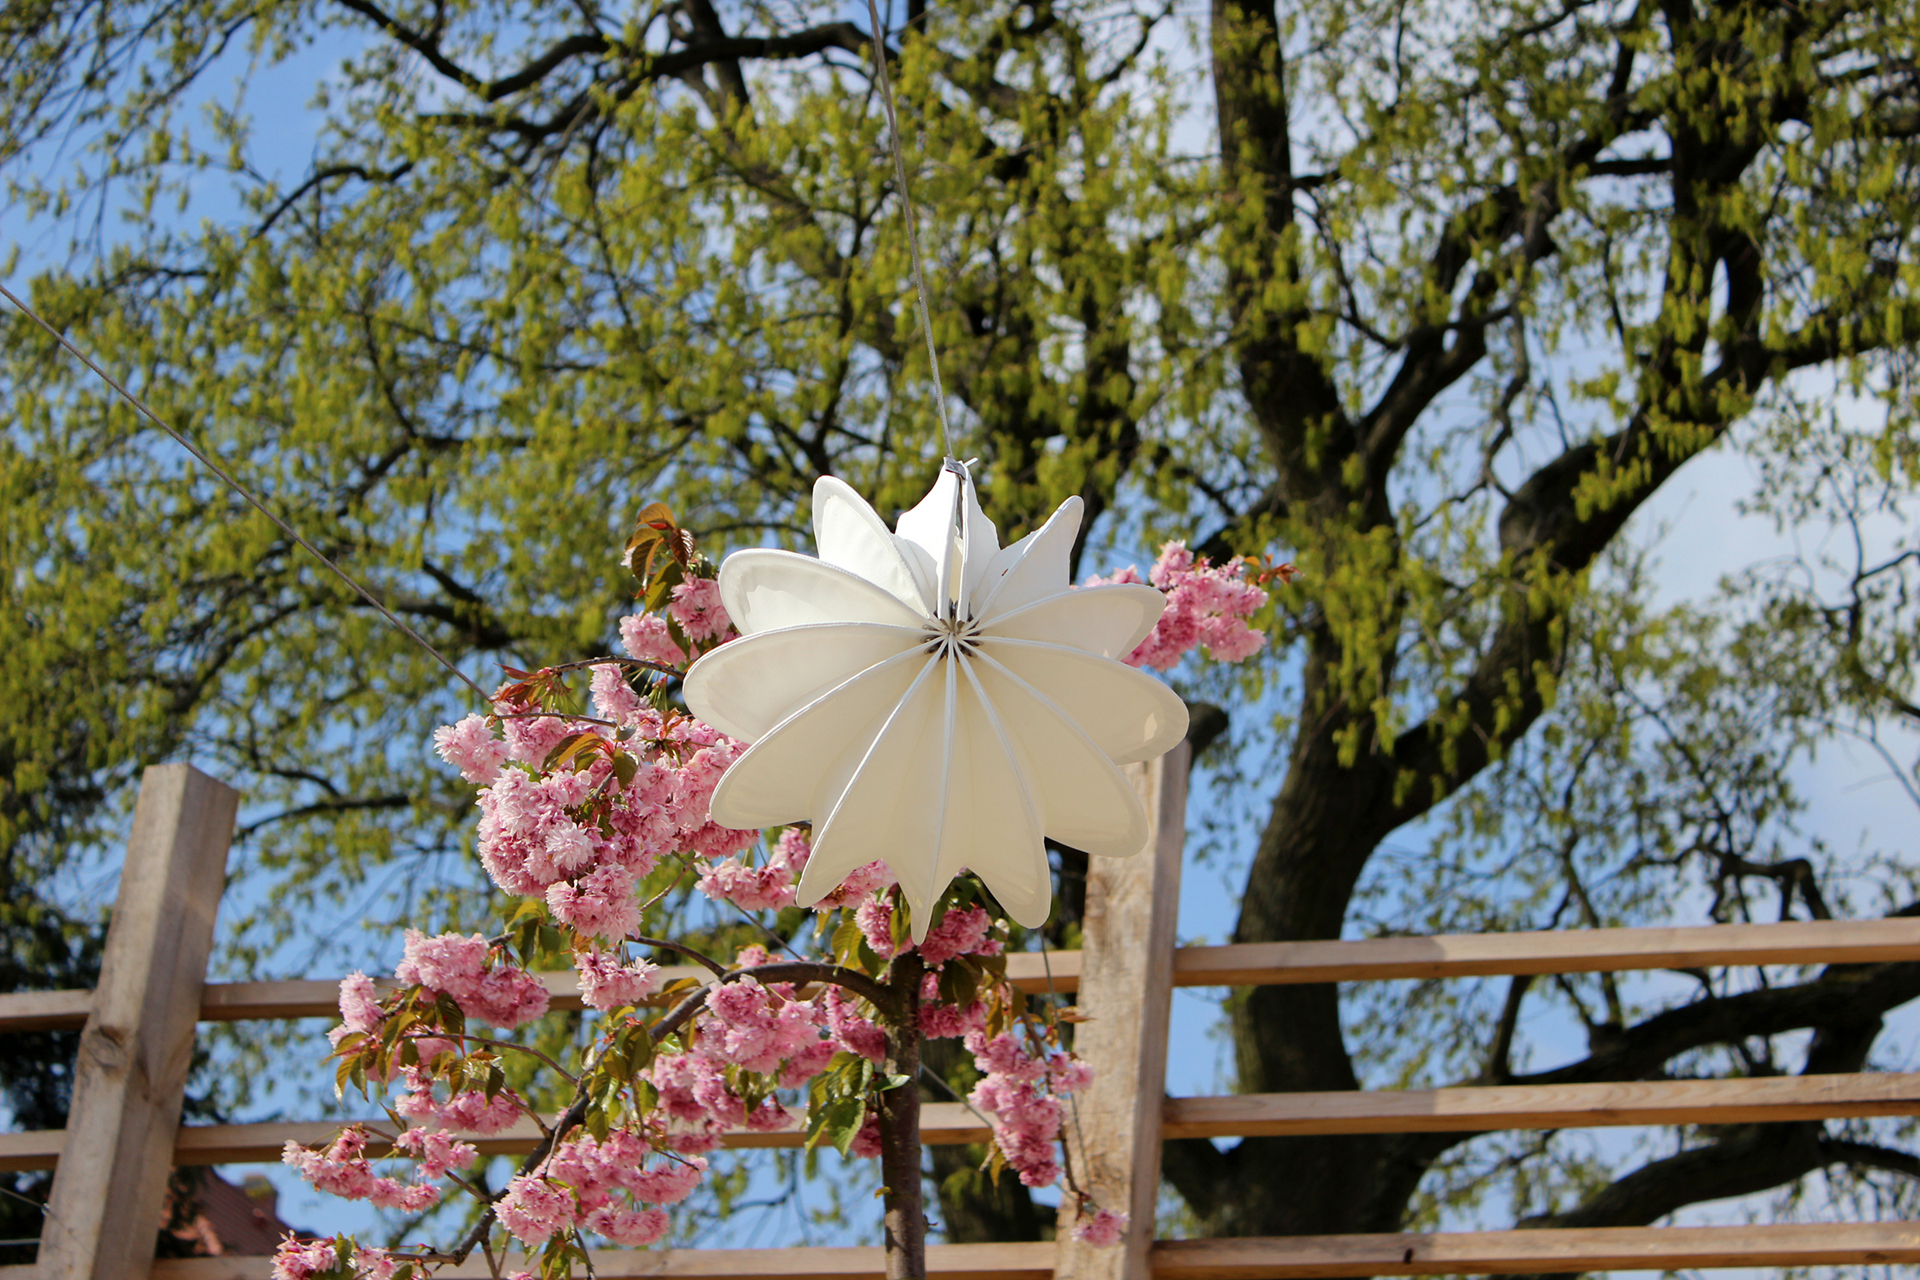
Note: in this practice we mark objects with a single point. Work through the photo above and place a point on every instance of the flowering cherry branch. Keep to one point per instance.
(590, 810)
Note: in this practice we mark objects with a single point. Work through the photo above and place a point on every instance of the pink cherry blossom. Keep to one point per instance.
(627, 1226)
(343, 1170)
(696, 607)
(606, 983)
(613, 698)
(472, 747)
(1206, 606)
(502, 996)
(535, 1210)
(1102, 1230)
(851, 1029)
(1024, 1091)
(303, 1259)
(437, 1151)
(646, 637)
(601, 904)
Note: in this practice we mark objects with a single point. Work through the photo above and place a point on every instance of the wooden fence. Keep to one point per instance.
(137, 1034)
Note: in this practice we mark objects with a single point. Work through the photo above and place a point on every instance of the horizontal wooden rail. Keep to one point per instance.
(1574, 1106)
(1238, 965)
(1570, 1106)
(1451, 1253)
(943, 1124)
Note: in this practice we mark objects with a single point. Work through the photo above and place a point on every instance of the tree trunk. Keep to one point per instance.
(899, 1113)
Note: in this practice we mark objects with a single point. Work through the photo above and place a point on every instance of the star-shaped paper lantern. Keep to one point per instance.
(932, 699)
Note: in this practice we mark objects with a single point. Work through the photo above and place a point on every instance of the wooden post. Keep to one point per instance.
(1126, 988)
(109, 1190)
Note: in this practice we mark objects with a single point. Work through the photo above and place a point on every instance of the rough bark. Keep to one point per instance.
(899, 1114)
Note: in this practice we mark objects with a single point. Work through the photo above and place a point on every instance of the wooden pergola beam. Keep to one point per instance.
(131, 1071)
(1796, 942)
(1575, 1106)
(1269, 1258)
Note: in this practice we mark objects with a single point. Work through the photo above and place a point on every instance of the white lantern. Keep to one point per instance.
(931, 699)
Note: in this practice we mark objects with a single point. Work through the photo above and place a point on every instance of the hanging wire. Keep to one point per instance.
(207, 461)
(1073, 1099)
(906, 206)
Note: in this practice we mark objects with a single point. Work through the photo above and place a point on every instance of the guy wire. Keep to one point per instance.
(207, 462)
(906, 206)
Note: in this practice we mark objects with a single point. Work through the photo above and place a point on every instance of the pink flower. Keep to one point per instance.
(854, 1032)
(1103, 1230)
(669, 1183)
(600, 904)
(437, 1151)
(471, 747)
(959, 933)
(767, 888)
(950, 1022)
(502, 996)
(359, 1007)
(627, 1226)
(875, 918)
(605, 983)
(304, 1259)
(866, 1143)
(469, 1111)
(535, 1210)
(1023, 1093)
(613, 698)
(697, 608)
(646, 637)
(1205, 607)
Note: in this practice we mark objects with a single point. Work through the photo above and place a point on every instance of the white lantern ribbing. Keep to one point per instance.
(929, 698)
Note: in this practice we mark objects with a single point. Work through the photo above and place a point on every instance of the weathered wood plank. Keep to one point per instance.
(131, 1071)
(1025, 1261)
(1126, 989)
(1295, 1258)
(1551, 951)
(1517, 1252)
(1572, 1106)
(1243, 964)
(943, 1124)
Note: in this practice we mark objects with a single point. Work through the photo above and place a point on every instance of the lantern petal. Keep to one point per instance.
(1110, 621)
(1032, 569)
(850, 534)
(999, 825)
(764, 590)
(1084, 799)
(799, 767)
(747, 686)
(885, 809)
(930, 527)
(1129, 715)
(918, 869)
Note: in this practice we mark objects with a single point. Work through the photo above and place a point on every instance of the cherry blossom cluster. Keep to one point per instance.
(1024, 1087)
(335, 1260)
(770, 886)
(1207, 607)
(635, 790)
(746, 1030)
(344, 1170)
(604, 1186)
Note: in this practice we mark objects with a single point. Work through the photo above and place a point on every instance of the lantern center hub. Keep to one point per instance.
(952, 637)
